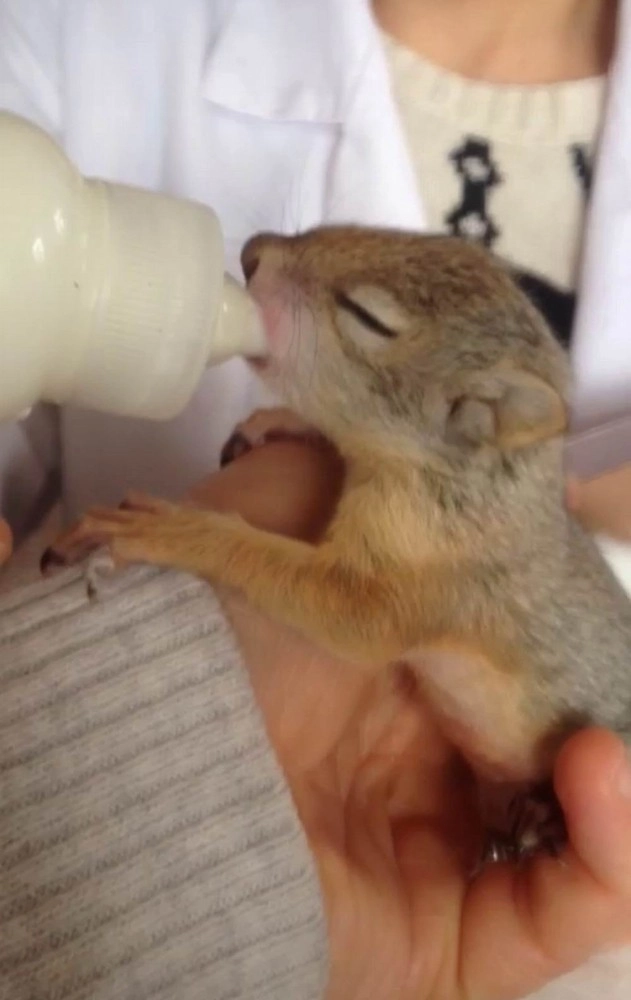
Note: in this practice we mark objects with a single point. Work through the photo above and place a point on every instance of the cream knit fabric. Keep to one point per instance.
(507, 165)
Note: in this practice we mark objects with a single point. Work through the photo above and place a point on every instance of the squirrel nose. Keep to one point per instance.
(264, 244)
(250, 258)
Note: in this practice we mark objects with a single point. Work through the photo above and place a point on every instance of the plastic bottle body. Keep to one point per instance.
(111, 298)
(143, 334)
(37, 215)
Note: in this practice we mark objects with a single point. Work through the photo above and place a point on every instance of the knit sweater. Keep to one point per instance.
(503, 165)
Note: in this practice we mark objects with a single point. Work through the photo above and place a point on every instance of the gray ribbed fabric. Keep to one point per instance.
(148, 844)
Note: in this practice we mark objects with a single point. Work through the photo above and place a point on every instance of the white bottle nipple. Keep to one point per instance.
(238, 323)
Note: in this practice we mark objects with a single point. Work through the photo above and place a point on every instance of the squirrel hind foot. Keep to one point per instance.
(535, 826)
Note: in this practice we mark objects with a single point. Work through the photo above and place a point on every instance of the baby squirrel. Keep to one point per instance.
(451, 549)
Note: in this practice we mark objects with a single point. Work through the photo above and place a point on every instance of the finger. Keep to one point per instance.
(602, 503)
(555, 914)
(573, 494)
(593, 783)
(287, 487)
(6, 542)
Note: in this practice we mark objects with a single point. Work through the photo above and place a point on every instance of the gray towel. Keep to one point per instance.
(149, 847)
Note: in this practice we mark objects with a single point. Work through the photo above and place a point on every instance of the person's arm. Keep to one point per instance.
(31, 86)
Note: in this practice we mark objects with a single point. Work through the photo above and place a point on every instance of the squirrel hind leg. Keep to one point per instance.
(528, 822)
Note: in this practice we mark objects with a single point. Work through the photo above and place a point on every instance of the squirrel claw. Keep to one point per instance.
(51, 561)
(264, 426)
(536, 827)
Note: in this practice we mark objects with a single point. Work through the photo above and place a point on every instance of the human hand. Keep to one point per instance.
(603, 504)
(389, 812)
(6, 542)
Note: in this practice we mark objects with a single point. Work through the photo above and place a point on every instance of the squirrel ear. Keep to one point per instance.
(511, 409)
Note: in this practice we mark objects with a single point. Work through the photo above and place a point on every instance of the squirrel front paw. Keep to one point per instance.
(263, 426)
(96, 530)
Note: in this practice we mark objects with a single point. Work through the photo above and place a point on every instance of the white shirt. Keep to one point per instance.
(279, 115)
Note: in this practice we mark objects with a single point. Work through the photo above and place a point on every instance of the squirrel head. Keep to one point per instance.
(405, 343)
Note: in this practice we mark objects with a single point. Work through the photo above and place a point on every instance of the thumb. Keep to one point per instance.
(593, 783)
(555, 914)
(583, 903)
(6, 542)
